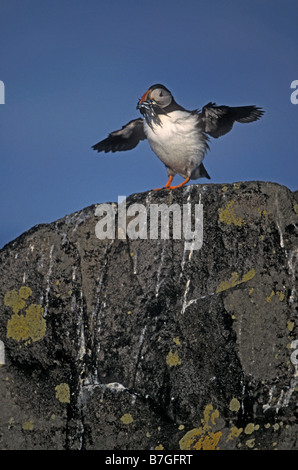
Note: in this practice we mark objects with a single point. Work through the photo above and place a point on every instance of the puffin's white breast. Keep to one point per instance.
(177, 142)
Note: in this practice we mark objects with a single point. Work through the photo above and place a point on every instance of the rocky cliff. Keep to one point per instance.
(126, 343)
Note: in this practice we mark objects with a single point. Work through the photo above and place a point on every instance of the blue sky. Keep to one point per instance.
(74, 69)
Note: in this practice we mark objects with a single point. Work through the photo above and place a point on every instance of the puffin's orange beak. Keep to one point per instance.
(142, 102)
(144, 97)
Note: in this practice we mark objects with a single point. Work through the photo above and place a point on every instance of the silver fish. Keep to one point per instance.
(148, 109)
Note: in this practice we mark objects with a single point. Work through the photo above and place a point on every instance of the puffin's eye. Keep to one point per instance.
(162, 97)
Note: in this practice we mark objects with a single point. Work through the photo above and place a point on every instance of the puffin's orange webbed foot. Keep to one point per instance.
(181, 184)
(167, 186)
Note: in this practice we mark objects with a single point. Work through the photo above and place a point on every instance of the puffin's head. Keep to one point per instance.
(157, 96)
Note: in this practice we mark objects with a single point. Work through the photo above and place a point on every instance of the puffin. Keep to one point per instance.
(179, 137)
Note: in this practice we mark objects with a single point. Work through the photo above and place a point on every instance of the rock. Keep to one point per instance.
(127, 344)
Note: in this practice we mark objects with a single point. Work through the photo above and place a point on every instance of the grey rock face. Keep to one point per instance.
(144, 344)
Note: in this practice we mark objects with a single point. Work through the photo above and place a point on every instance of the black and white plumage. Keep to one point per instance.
(177, 136)
(126, 138)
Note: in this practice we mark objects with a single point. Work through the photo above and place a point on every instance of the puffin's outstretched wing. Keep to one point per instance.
(126, 138)
(219, 120)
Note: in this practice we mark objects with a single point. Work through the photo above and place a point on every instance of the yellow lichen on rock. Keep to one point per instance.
(203, 438)
(63, 393)
(235, 281)
(249, 429)
(35, 321)
(196, 439)
(279, 294)
(173, 359)
(126, 418)
(25, 292)
(20, 327)
(16, 299)
(28, 425)
(17, 328)
(30, 326)
(209, 416)
(228, 215)
(234, 432)
(234, 405)
(250, 443)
